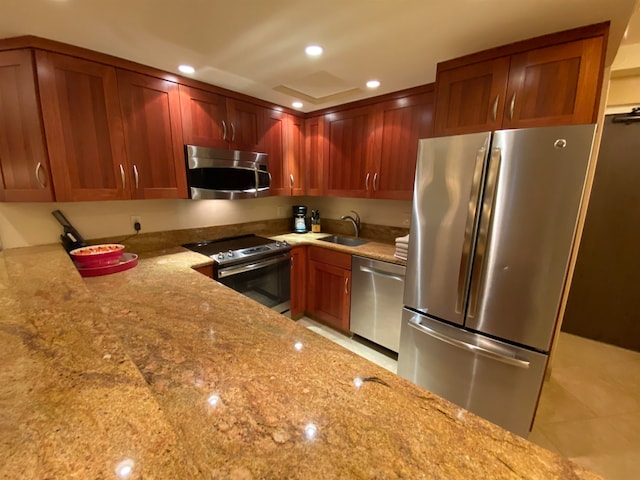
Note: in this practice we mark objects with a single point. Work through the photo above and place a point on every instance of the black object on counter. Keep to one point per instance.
(71, 239)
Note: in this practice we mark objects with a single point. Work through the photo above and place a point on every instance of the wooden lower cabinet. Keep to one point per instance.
(329, 289)
(206, 270)
(298, 282)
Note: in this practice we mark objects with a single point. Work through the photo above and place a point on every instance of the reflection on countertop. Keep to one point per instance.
(160, 372)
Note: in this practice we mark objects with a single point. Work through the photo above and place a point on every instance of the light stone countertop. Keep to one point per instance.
(188, 379)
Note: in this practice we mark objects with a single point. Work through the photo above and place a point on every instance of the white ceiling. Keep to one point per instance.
(257, 46)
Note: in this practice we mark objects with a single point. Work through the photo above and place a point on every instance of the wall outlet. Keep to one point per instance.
(135, 219)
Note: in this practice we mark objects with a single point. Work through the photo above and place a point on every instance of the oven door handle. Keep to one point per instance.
(235, 270)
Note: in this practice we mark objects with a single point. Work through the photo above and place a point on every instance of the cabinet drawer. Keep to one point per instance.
(332, 257)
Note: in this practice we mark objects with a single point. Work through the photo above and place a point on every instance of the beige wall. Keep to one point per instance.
(27, 224)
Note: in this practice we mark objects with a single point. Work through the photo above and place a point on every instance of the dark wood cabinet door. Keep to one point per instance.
(204, 118)
(329, 294)
(298, 281)
(314, 151)
(153, 135)
(246, 126)
(471, 98)
(348, 149)
(24, 163)
(400, 124)
(274, 144)
(557, 85)
(295, 152)
(83, 126)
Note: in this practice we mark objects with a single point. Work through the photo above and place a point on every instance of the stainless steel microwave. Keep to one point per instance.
(218, 173)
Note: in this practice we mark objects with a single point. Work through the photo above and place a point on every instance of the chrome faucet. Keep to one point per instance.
(355, 221)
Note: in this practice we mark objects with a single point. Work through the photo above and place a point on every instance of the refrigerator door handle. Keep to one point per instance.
(515, 362)
(470, 228)
(483, 230)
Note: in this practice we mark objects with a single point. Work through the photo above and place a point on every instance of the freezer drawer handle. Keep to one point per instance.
(381, 273)
(472, 348)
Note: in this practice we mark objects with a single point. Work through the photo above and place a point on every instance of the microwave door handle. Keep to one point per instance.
(236, 270)
(470, 227)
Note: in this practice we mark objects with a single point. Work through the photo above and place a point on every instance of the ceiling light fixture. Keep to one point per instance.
(296, 104)
(314, 50)
(186, 69)
(373, 84)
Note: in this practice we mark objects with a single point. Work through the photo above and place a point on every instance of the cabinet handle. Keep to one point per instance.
(512, 105)
(233, 132)
(38, 177)
(366, 182)
(291, 262)
(346, 286)
(122, 176)
(291, 179)
(495, 108)
(135, 175)
(224, 130)
(375, 182)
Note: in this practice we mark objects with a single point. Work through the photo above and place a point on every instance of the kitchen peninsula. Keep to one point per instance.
(160, 372)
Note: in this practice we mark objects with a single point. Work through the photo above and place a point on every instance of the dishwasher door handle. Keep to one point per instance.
(375, 271)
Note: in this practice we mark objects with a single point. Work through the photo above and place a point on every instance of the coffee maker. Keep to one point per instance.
(300, 219)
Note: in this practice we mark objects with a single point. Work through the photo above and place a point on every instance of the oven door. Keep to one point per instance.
(267, 280)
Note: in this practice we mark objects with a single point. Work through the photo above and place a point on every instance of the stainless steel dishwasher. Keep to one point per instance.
(376, 300)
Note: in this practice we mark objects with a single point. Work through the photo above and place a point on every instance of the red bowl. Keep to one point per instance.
(97, 255)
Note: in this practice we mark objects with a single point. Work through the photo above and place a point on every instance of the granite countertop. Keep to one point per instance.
(180, 377)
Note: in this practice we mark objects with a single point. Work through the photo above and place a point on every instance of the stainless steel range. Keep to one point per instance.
(255, 266)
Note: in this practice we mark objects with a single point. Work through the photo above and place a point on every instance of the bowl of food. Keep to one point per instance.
(97, 255)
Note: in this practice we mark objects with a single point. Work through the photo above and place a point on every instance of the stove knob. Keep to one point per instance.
(284, 243)
(221, 256)
(230, 253)
(278, 244)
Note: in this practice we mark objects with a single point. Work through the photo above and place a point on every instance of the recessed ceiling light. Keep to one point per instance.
(314, 50)
(373, 84)
(296, 104)
(186, 69)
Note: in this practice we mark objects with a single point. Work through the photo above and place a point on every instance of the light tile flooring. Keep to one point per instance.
(589, 409)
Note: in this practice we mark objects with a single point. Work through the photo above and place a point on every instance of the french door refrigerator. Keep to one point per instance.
(493, 221)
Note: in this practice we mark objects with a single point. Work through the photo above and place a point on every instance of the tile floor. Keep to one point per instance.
(589, 409)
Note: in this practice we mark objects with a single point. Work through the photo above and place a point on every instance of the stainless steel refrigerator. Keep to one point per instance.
(493, 222)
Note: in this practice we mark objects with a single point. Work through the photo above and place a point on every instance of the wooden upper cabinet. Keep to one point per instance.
(295, 143)
(204, 118)
(348, 150)
(274, 145)
(314, 151)
(153, 136)
(284, 142)
(246, 125)
(83, 126)
(215, 121)
(399, 125)
(24, 163)
(550, 80)
(471, 98)
(556, 85)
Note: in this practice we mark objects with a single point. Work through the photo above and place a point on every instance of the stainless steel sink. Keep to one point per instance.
(348, 241)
